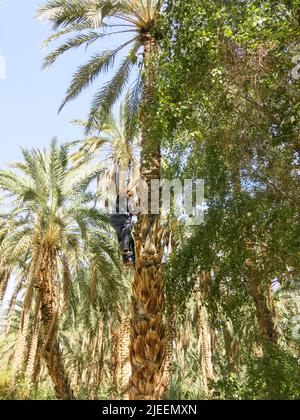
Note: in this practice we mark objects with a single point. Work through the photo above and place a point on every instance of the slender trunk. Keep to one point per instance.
(265, 311)
(32, 352)
(262, 295)
(120, 361)
(170, 340)
(4, 278)
(147, 348)
(100, 355)
(204, 336)
(11, 306)
(124, 355)
(21, 343)
(232, 349)
(49, 317)
(115, 362)
(186, 339)
(38, 362)
(79, 376)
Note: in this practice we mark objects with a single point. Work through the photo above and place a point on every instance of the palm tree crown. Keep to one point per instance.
(91, 20)
(49, 204)
(115, 145)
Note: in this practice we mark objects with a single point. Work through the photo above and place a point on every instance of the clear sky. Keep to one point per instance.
(30, 96)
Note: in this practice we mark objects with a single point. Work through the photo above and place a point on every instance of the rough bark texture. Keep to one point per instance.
(120, 362)
(204, 336)
(49, 318)
(100, 356)
(147, 348)
(205, 349)
(232, 349)
(265, 311)
(32, 352)
(124, 355)
(21, 343)
(95, 362)
(169, 351)
(115, 361)
(4, 278)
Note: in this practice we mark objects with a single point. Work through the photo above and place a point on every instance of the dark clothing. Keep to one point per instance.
(123, 226)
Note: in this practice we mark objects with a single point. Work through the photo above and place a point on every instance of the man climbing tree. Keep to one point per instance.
(122, 222)
(89, 22)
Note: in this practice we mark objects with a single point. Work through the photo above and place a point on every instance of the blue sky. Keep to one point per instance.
(30, 96)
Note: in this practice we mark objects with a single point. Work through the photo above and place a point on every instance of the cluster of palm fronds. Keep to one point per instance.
(50, 206)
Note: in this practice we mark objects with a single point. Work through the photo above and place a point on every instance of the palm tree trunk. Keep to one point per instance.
(49, 317)
(38, 362)
(170, 340)
(115, 361)
(4, 278)
(186, 339)
(147, 348)
(120, 359)
(204, 333)
(124, 355)
(100, 352)
(205, 349)
(21, 343)
(32, 352)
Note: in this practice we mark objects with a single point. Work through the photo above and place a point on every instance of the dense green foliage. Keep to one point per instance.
(228, 103)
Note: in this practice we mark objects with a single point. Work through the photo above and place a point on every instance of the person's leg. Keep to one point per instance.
(125, 243)
(123, 226)
(132, 246)
(119, 221)
(128, 245)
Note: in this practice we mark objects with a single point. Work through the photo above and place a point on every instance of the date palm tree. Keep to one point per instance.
(88, 22)
(53, 225)
(113, 145)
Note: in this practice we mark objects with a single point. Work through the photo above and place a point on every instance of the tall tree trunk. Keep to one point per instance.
(124, 355)
(115, 361)
(204, 333)
(186, 339)
(32, 352)
(169, 351)
(262, 295)
(232, 348)
(120, 361)
(4, 278)
(11, 306)
(49, 317)
(37, 363)
(21, 343)
(100, 355)
(147, 348)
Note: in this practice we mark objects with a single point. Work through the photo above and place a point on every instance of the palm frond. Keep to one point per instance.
(109, 94)
(73, 43)
(87, 73)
